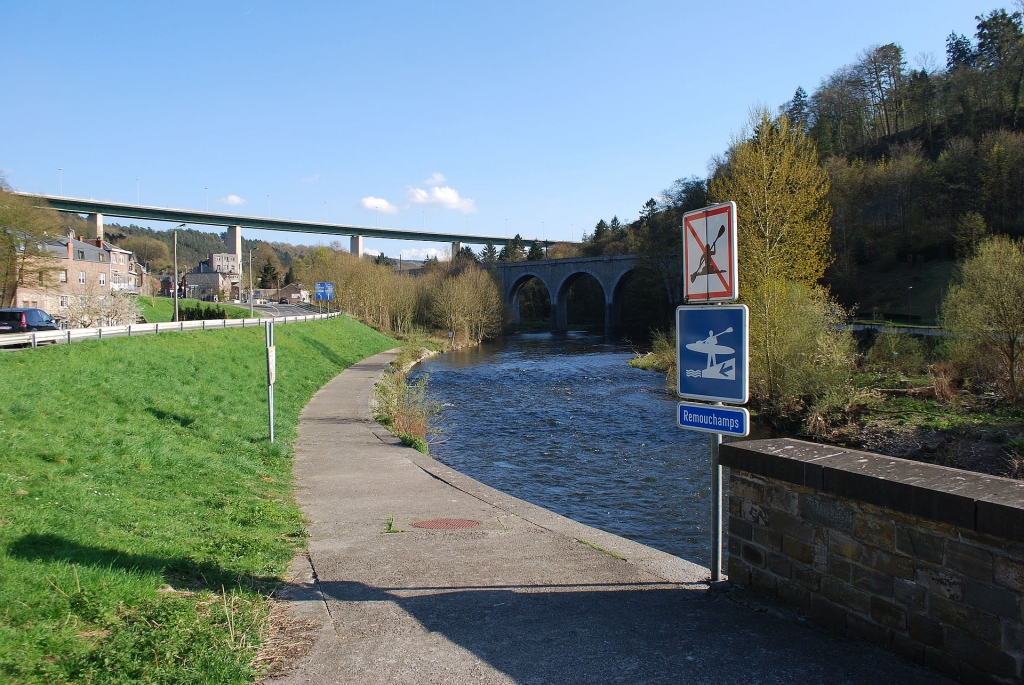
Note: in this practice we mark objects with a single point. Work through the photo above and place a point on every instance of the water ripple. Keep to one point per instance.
(563, 422)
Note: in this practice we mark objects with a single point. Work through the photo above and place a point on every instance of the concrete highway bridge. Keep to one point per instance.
(557, 275)
(234, 223)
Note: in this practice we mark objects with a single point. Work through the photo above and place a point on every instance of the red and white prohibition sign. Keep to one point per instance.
(709, 254)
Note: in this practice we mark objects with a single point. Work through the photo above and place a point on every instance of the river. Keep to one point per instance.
(561, 421)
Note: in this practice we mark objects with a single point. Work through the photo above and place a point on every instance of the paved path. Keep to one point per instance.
(518, 599)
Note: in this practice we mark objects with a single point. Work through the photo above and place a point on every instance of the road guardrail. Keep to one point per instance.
(76, 334)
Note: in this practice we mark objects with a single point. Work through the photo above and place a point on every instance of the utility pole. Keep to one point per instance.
(176, 273)
(250, 284)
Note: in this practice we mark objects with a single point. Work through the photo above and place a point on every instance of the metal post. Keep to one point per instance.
(716, 508)
(175, 274)
(250, 284)
(271, 364)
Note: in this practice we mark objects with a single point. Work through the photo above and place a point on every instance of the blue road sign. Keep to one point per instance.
(712, 352)
(711, 419)
(324, 291)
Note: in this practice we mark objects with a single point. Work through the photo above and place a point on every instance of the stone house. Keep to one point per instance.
(82, 269)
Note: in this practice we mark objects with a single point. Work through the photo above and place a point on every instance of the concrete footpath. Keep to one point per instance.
(525, 596)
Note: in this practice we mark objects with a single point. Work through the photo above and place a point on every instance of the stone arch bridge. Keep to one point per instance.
(558, 275)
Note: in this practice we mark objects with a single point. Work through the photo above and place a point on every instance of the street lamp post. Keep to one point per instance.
(61, 170)
(176, 271)
(207, 199)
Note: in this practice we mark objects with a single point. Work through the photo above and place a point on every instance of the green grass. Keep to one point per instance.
(143, 512)
(160, 309)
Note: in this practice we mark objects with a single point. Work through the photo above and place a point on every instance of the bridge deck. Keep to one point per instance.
(518, 598)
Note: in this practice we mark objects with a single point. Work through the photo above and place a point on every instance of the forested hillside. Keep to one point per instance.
(923, 161)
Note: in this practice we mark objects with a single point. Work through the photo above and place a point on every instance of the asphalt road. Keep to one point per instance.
(280, 310)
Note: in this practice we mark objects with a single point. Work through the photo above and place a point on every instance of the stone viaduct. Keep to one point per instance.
(558, 275)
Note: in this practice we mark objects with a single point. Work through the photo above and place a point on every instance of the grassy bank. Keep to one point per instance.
(160, 309)
(142, 509)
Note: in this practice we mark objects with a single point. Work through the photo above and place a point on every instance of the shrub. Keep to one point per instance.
(984, 312)
(897, 352)
(799, 359)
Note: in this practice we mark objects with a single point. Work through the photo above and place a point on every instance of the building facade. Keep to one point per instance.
(81, 271)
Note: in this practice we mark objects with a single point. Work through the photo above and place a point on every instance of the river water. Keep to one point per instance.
(561, 421)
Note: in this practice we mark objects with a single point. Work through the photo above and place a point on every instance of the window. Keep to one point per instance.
(63, 276)
(63, 300)
(81, 278)
(101, 257)
(103, 279)
(81, 255)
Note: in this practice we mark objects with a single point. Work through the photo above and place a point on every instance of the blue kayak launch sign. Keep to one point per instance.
(712, 352)
(734, 421)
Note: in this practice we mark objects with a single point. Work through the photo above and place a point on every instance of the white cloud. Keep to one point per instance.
(436, 179)
(444, 197)
(379, 204)
(231, 200)
(420, 254)
(311, 179)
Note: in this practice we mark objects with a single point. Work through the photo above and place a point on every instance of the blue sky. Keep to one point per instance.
(545, 116)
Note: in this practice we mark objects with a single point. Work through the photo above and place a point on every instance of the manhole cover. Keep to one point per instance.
(446, 524)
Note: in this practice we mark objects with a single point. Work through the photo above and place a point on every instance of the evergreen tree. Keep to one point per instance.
(269, 275)
(959, 51)
(796, 109)
(600, 231)
(649, 209)
(617, 229)
(536, 252)
(466, 253)
(489, 254)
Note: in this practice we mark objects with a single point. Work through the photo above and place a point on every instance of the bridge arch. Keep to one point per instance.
(560, 316)
(515, 289)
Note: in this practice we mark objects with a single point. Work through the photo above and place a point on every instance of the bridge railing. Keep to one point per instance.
(100, 333)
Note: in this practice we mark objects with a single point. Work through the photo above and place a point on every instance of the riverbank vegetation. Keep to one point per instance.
(144, 514)
(893, 194)
(402, 407)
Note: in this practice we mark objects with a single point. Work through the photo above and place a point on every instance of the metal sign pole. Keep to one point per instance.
(271, 373)
(716, 508)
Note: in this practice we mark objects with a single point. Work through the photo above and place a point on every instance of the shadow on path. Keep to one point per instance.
(620, 633)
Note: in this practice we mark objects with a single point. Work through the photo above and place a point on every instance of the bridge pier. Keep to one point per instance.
(356, 246)
(97, 221)
(456, 249)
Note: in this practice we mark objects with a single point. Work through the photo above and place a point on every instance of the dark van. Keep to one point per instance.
(25, 320)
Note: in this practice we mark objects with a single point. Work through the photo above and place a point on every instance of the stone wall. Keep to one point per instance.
(924, 560)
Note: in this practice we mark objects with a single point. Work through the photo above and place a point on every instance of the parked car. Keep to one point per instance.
(283, 300)
(25, 320)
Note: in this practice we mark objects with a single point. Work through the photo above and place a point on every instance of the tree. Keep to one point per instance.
(489, 255)
(985, 310)
(616, 228)
(147, 250)
(536, 252)
(514, 250)
(687, 194)
(25, 231)
(649, 209)
(380, 260)
(600, 231)
(772, 174)
(269, 275)
(797, 109)
(959, 51)
(970, 231)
